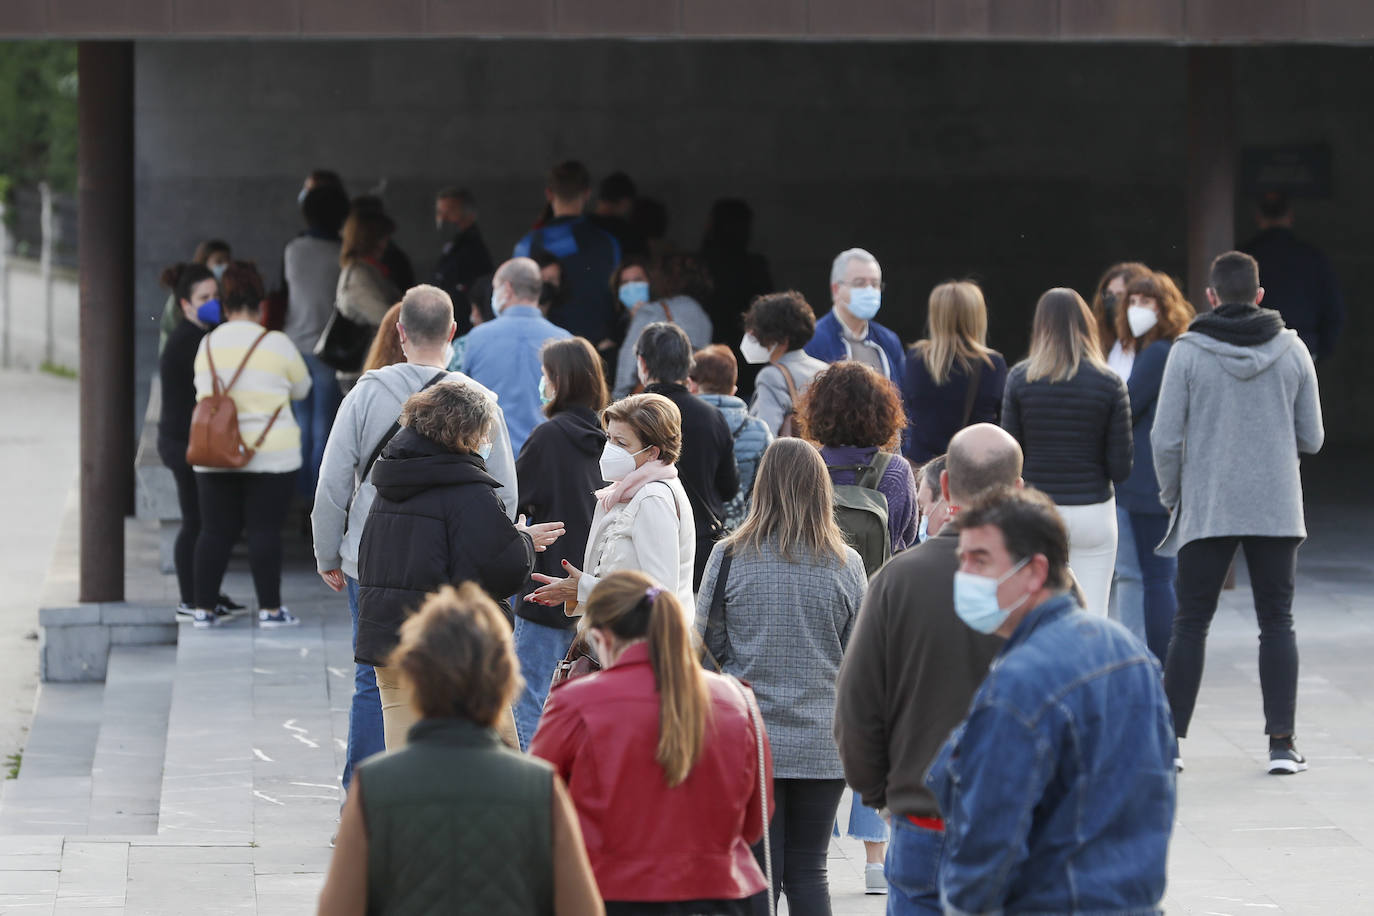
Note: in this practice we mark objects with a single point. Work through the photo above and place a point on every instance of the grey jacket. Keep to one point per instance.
(687, 314)
(342, 500)
(784, 629)
(771, 398)
(1230, 423)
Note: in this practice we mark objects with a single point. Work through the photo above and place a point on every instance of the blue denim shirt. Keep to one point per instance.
(1058, 789)
(504, 355)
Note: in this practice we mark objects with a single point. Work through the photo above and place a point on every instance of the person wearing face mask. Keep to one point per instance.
(681, 285)
(643, 519)
(848, 330)
(465, 256)
(929, 502)
(1050, 805)
(365, 424)
(1143, 589)
(436, 521)
(1108, 297)
(776, 328)
(215, 255)
(504, 354)
(910, 670)
(559, 469)
(712, 378)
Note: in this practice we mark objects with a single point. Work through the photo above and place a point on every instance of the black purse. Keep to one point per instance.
(344, 342)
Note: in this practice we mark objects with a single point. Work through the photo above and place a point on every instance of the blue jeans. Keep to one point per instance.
(1159, 574)
(315, 416)
(913, 868)
(864, 823)
(1127, 605)
(539, 649)
(365, 712)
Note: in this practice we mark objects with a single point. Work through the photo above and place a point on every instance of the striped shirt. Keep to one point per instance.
(274, 376)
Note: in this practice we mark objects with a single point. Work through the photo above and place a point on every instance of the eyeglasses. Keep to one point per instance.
(863, 282)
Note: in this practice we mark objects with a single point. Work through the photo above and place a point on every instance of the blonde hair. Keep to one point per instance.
(630, 605)
(1062, 337)
(792, 505)
(957, 325)
(386, 343)
(655, 420)
(457, 655)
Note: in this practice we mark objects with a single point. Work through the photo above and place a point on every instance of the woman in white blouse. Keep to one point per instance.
(642, 520)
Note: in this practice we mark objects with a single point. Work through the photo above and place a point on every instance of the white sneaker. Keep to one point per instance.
(875, 881)
(281, 618)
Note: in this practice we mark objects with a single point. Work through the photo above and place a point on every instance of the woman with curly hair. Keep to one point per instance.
(1155, 314)
(856, 417)
(776, 327)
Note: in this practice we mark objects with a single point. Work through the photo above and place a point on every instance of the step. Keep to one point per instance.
(53, 792)
(126, 774)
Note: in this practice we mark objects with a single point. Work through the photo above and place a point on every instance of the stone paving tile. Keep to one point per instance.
(94, 875)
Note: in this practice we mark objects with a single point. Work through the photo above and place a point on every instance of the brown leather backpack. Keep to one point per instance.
(215, 441)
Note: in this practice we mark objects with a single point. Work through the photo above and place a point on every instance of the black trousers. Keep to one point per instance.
(232, 502)
(173, 455)
(803, 816)
(1202, 567)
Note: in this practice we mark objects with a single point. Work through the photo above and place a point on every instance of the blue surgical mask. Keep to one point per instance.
(484, 450)
(633, 293)
(864, 301)
(975, 599)
(922, 532)
(210, 313)
(544, 396)
(218, 269)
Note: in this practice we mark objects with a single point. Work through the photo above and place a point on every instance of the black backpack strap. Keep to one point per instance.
(871, 474)
(396, 428)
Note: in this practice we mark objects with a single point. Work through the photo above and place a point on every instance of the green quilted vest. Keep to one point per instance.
(458, 823)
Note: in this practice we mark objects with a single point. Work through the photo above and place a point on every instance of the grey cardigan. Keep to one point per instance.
(784, 629)
(1229, 426)
(771, 397)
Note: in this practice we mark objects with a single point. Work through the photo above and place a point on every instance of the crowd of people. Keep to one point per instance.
(659, 627)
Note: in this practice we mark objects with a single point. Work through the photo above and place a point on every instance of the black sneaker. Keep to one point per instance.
(1284, 758)
(186, 611)
(229, 604)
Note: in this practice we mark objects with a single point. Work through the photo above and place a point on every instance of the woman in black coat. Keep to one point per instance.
(559, 468)
(436, 521)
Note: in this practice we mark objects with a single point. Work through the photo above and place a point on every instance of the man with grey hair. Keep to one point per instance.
(366, 421)
(910, 670)
(504, 354)
(848, 330)
(465, 256)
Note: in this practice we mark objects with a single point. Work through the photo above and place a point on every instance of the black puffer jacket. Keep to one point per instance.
(1076, 434)
(436, 521)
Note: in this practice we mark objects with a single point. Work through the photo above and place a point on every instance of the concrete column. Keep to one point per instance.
(1211, 163)
(105, 175)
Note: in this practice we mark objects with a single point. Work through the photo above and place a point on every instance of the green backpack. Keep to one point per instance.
(861, 511)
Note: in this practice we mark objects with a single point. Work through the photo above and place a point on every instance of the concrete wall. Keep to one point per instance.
(29, 302)
(1027, 166)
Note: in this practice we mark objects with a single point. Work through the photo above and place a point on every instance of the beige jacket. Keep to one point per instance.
(364, 294)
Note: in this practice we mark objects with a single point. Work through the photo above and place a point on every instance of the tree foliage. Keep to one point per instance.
(38, 113)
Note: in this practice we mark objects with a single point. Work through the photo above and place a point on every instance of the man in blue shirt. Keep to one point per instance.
(588, 255)
(504, 354)
(1058, 787)
(848, 330)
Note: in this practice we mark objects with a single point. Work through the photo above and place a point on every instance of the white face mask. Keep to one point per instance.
(1141, 319)
(616, 463)
(498, 300)
(754, 352)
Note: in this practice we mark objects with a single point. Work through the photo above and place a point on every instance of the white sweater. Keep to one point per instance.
(654, 533)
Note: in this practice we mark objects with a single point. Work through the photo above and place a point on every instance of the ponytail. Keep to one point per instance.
(632, 606)
(182, 278)
(683, 700)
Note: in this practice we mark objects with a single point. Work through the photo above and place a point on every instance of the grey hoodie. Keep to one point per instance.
(342, 501)
(1229, 426)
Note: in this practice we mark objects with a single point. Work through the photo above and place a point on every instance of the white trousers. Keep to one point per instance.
(1092, 550)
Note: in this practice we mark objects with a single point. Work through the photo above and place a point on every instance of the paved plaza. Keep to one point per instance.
(202, 778)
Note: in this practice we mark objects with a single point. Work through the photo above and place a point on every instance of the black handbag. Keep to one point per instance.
(344, 342)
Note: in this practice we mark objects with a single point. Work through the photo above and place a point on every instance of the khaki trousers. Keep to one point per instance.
(398, 715)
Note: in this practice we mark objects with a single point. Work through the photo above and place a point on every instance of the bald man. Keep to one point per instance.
(504, 354)
(912, 668)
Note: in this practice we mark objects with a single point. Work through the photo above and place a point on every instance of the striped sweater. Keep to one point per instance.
(274, 376)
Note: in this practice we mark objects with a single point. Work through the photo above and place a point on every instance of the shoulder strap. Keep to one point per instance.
(395, 428)
(718, 603)
(246, 357)
(667, 311)
(787, 377)
(971, 394)
(872, 473)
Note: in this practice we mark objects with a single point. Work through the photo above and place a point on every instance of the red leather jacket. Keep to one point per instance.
(648, 842)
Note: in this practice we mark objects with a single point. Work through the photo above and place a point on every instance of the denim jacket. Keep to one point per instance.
(1058, 788)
